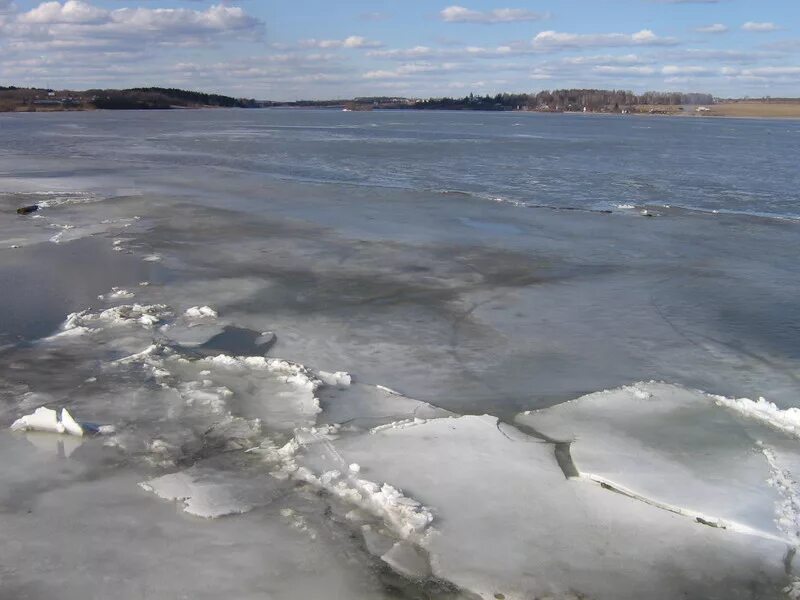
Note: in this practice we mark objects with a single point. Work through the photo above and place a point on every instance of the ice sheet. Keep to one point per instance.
(211, 493)
(145, 548)
(362, 405)
(452, 299)
(672, 446)
(508, 522)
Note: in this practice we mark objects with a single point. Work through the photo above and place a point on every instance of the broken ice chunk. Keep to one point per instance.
(42, 419)
(47, 421)
(408, 560)
(672, 447)
(70, 425)
(211, 493)
(201, 312)
(337, 379)
(508, 519)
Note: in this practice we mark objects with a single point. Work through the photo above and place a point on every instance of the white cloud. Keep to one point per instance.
(459, 14)
(556, 40)
(72, 11)
(673, 70)
(427, 52)
(79, 44)
(404, 53)
(771, 71)
(409, 69)
(498, 51)
(623, 70)
(353, 41)
(605, 59)
(82, 24)
(714, 28)
(719, 55)
(760, 27)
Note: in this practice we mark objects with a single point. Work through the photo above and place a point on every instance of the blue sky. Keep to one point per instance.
(287, 50)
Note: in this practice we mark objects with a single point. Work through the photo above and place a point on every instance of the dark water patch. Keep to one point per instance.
(41, 284)
(602, 211)
(238, 341)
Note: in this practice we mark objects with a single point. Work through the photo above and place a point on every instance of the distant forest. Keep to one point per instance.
(14, 98)
(572, 100)
(565, 100)
(161, 98)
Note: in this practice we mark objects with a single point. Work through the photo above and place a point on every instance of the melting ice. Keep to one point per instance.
(327, 391)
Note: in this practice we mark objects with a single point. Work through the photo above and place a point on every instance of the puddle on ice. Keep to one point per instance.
(47, 280)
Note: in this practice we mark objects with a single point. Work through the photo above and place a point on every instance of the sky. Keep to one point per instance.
(305, 49)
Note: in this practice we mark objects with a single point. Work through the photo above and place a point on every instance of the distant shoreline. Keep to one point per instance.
(671, 115)
(788, 111)
(562, 101)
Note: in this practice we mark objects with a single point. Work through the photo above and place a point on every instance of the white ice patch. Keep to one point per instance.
(363, 406)
(670, 447)
(139, 357)
(53, 198)
(508, 523)
(116, 294)
(312, 451)
(792, 591)
(408, 560)
(47, 420)
(787, 510)
(787, 420)
(58, 237)
(338, 379)
(200, 393)
(277, 392)
(200, 312)
(146, 316)
(76, 331)
(210, 493)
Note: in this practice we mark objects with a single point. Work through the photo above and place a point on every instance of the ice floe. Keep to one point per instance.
(116, 294)
(46, 420)
(147, 316)
(212, 493)
(200, 312)
(787, 420)
(339, 379)
(671, 447)
(507, 521)
(787, 510)
(661, 479)
(312, 458)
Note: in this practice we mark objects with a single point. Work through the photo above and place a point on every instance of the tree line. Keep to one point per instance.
(565, 100)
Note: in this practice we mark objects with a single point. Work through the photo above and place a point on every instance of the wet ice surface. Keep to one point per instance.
(297, 376)
(676, 448)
